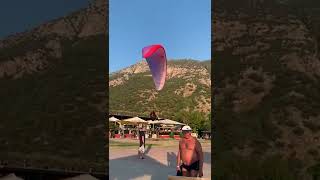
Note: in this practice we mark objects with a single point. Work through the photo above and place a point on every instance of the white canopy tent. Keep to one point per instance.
(113, 119)
(165, 121)
(134, 120)
(153, 122)
(168, 121)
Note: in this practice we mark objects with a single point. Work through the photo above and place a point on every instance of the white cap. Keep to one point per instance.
(186, 128)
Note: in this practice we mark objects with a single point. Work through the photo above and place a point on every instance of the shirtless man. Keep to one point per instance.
(190, 156)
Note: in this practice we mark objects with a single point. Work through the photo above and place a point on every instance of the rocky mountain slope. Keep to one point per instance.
(187, 88)
(53, 92)
(267, 84)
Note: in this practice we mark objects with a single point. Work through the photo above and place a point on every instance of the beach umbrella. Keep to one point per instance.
(113, 119)
(135, 120)
(171, 122)
(154, 122)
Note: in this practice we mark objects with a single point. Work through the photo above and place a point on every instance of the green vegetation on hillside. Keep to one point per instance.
(133, 95)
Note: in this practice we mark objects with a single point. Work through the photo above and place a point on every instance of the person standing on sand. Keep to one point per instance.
(190, 155)
(142, 144)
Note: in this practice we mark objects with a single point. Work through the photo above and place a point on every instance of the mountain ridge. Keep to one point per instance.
(185, 78)
(47, 39)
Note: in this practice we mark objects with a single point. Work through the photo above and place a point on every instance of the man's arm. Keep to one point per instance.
(200, 155)
(178, 156)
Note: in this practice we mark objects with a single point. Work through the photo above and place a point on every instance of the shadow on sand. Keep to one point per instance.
(131, 167)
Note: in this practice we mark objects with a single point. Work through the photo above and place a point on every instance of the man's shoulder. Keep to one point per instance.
(196, 140)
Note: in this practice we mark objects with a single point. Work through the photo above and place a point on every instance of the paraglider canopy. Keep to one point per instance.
(153, 116)
(157, 61)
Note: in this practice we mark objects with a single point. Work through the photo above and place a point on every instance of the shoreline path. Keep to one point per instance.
(159, 162)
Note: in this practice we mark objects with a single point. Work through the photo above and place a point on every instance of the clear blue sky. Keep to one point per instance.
(183, 27)
(21, 15)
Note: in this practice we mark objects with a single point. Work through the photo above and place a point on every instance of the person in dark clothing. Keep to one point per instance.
(142, 144)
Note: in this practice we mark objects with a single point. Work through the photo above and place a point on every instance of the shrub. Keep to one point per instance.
(171, 135)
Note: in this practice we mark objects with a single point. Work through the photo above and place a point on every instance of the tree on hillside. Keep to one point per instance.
(196, 120)
(208, 122)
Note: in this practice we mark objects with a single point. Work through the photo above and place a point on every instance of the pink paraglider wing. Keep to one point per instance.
(157, 61)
